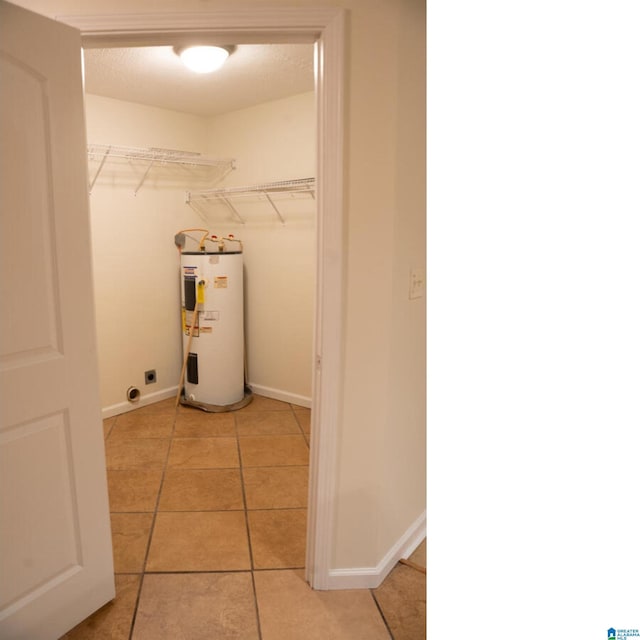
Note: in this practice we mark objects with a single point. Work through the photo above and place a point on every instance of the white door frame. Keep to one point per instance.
(325, 27)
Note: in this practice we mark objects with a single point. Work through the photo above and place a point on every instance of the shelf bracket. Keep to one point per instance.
(104, 157)
(228, 170)
(233, 209)
(144, 177)
(273, 204)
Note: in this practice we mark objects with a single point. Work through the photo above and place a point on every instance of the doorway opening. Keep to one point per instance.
(249, 465)
(324, 28)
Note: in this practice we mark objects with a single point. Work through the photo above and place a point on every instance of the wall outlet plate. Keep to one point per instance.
(150, 376)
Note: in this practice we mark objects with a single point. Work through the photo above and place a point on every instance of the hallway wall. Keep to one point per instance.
(384, 232)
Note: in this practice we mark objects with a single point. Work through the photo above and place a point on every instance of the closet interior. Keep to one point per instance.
(247, 173)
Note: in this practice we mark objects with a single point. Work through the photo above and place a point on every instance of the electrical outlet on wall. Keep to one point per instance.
(150, 376)
(416, 283)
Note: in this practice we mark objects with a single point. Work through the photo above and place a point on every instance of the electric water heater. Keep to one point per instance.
(213, 330)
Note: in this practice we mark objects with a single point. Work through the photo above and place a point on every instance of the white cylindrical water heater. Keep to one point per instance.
(213, 330)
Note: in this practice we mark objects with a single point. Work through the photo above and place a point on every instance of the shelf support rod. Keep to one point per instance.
(227, 171)
(233, 209)
(144, 177)
(104, 157)
(272, 203)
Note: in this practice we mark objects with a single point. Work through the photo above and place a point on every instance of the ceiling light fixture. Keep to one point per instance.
(203, 59)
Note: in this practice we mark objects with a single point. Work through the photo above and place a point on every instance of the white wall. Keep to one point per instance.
(136, 266)
(384, 134)
(135, 260)
(405, 435)
(381, 479)
(272, 142)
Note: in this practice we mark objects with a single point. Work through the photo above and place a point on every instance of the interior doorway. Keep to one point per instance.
(220, 471)
(324, 28)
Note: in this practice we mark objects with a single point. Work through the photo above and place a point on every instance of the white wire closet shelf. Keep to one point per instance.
(270, 192)
(162, 164)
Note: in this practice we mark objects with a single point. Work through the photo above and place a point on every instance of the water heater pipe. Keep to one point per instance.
(204, 237)
(231, 238)
(207, 237)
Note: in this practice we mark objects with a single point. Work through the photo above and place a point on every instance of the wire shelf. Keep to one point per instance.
(268, 191)
(159, 160)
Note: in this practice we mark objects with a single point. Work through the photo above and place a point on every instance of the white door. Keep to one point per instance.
(56, 564)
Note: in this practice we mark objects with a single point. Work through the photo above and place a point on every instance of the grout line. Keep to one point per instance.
(305, 435)
(255, 601)
(244, 499)
(270, 435)
(413, 565)
(301, 508)
(181, 572)
(246, 522)
(264, 569)
(276, 466)
(381, 612)
(153, 524)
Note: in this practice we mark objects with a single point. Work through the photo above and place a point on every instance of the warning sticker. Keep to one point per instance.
(206, 329)
(220, 282)
(187, 321)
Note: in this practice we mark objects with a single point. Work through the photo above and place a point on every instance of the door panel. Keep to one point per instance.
(34, 321)
(45, 502)
(55, 542)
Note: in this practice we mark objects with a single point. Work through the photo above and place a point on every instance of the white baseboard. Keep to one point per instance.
(145, 399)
(150, 398)
(372, 577)
(277, 394)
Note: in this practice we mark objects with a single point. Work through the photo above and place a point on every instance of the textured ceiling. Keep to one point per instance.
(155, 76)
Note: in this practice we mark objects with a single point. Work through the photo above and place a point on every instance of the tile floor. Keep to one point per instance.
(208, 517)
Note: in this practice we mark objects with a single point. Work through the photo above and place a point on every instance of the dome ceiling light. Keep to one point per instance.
(203, 59)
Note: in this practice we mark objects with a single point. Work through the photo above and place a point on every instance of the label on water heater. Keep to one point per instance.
(220, 282)
(187, 322)
(200, 292)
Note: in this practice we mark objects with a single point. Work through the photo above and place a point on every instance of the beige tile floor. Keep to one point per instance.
(208, 517)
